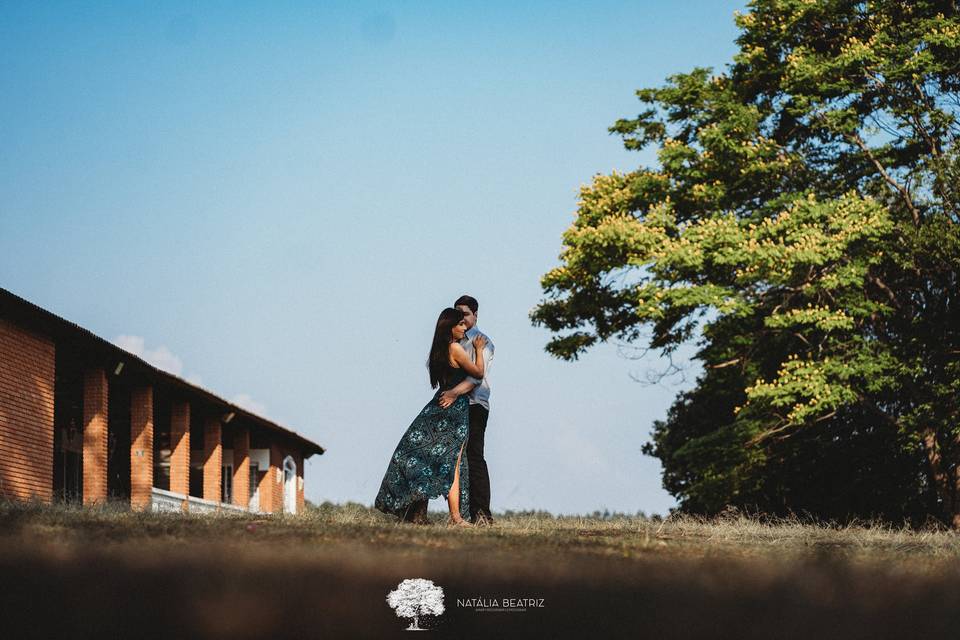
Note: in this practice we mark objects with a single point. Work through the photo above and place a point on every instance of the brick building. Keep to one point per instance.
(81, 419)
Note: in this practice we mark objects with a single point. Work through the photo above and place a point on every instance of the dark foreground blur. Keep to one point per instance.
(76, 574)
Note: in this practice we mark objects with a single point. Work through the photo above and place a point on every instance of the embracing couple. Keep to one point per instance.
(430, 460)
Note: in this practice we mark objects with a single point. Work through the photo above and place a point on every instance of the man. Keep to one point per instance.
(479, 391)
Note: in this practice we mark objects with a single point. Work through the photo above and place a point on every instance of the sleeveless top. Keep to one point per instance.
(452, 376)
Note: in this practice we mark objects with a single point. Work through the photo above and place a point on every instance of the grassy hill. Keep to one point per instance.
(110, 573)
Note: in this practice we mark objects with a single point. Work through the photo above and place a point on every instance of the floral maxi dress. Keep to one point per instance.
(423, 464)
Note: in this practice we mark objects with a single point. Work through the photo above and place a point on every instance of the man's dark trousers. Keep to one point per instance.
(479, 477)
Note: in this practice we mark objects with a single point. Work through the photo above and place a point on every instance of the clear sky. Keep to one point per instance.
(276, 199)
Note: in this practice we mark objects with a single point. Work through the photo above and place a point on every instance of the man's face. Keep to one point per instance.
(468, 316)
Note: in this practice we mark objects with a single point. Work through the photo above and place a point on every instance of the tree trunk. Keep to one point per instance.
(945, 486)
(955, 489)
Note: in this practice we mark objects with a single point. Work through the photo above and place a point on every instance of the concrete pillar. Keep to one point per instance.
(180, 450)
(141, 447)
(241, 467)
(212, 459)
(95, 406)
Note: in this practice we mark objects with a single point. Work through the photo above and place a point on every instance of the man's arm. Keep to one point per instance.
(448, 397)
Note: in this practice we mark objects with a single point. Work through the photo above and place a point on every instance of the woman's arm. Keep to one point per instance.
(460, 356)
(450, 395)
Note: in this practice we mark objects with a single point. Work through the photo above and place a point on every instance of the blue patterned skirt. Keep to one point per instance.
(423, 464)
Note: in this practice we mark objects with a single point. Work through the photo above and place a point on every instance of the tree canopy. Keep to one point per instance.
(801, 227)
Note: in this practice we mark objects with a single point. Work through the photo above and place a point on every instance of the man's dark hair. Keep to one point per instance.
(469, 301)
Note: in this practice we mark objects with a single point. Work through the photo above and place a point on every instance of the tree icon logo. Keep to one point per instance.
(415, 597)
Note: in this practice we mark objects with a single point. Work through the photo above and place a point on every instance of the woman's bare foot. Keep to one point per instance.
(459, 522)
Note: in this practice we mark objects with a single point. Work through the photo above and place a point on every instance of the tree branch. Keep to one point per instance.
(858, 141)
(883, 287)
(724, 364)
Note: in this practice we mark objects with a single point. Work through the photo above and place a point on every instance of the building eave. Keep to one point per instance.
(35, 317)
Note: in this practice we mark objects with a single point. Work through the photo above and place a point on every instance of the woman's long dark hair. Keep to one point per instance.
(438, 361)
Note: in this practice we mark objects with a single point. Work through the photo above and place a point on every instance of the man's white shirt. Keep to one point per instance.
(481, 393)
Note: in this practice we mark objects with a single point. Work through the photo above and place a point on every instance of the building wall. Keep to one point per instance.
(241, 467)
(298, 456)
(27, 377)
(265, 484)
(27, 384)
(278, 453)
(276, 476)
(141, 447)
(212, 458)
(180, 448)
(96, 436)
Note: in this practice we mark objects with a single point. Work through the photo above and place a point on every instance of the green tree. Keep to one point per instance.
(802, 227)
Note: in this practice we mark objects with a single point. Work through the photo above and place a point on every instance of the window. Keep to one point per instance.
(226, 483)
(289, 485)
(254, 484)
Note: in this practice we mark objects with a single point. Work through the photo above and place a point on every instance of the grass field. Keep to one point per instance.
(110, 573)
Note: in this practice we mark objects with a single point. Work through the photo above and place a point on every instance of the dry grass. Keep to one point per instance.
(104, 572)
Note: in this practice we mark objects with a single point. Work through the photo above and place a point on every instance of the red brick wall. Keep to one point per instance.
(27, 363)
(180, 448)
(265, 487)
(276, 473)
(278, 452)
(212, 458)
(241, 467)
(141, 447)
(96, 396)
(298, 456)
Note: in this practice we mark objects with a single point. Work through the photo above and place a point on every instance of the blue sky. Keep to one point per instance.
(276, 200)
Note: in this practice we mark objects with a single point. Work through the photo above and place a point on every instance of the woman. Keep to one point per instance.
(428, 462)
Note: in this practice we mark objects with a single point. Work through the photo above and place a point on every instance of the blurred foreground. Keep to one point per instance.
(109, 573)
